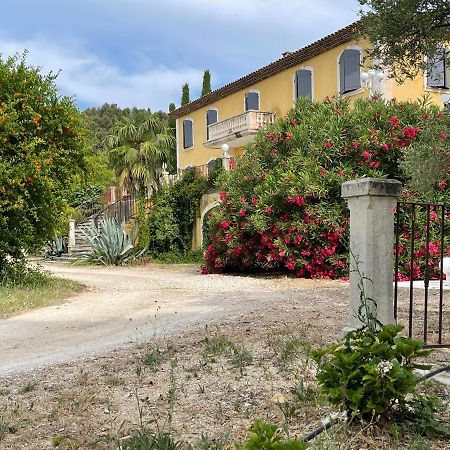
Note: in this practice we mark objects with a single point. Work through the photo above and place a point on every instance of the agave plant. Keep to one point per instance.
(110, 244)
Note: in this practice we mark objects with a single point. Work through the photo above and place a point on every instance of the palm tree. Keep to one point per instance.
(138, 148)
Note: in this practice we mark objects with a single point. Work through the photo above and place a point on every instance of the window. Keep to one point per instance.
(349, 71)
(252, 101)
(211, 117)
(438, 75)
(188, 135)
(303, 83)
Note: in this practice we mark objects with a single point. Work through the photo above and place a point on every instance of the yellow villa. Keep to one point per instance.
(331, 66)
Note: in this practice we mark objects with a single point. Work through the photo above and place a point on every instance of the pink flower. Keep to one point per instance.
(394, 121)
(254, 201)
(242, 213)
(289, 136)
(268, 210)
(365, 155)
(225, 224)
(374, 164)
(328, 144)
(355, 145)
(385, 147)
(223, 196)
(323, 172)
(410, 132)
(442, 185)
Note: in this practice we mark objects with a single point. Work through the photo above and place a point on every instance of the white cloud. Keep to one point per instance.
(93, 81)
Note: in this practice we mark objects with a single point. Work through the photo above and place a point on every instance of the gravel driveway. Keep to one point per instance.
(123, 306)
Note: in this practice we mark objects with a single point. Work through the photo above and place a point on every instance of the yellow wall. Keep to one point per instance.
(277, 96)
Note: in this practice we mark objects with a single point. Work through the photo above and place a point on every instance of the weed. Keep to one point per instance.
(28, 387)
(148, 439)
(240, 358)
(4, 429)
(5, 391)
(153, 358)
(61, 441)
(216, 346)
(305, 395)
(287, 350)
(207, 443)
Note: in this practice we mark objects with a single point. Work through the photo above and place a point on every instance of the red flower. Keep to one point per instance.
(442, 135)
(374, 164)
(242, 213)
(355, 145)
(293, 123)
(366, 155)
(323, 172)
(385, 147)
(442, 185)
(223, 196)
(328, 144)
(289, 136)
(268, 210)
(225, 224)
(394, 121)
(410, 132)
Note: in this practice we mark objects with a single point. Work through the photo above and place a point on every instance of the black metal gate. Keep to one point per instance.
(421, 295)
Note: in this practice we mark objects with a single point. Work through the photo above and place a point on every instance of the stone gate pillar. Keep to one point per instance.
(372, 204)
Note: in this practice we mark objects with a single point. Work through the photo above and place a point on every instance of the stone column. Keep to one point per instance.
(372, 204)
(72, 243)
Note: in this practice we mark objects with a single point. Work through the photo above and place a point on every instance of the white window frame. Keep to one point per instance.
(294, 87)
(338, 87)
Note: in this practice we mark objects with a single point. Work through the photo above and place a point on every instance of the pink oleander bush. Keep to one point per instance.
(280, 204)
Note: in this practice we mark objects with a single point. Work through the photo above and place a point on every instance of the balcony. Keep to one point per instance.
(238, 130)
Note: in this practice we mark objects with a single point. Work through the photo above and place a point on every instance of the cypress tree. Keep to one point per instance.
(172, 108)
(185, 95)
(206, 86)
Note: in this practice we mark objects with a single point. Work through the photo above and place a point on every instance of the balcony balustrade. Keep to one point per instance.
(238, 130)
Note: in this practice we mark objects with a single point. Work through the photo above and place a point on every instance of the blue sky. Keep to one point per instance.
(140, 52)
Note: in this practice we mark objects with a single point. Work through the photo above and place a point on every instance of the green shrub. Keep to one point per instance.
(267, 437)
(281, 207)
(173, 214)
(370, 372)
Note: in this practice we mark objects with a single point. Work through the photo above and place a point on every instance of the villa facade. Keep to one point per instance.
(331, 66)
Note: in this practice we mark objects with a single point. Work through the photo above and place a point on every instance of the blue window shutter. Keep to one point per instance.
(188, 140)
(303, 83)
(350, 70)
(252, 101)
(436, 71)
(211, 117)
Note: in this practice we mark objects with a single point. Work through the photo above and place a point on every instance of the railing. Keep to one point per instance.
(249, 121)
(204, 170)
(122, 210)
(422, 242)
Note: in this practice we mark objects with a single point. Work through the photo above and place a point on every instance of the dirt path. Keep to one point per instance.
(129, 305)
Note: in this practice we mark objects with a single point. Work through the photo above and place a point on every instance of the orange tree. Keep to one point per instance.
(41, 150)
(281, 207)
